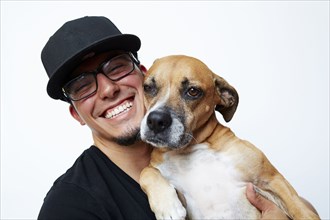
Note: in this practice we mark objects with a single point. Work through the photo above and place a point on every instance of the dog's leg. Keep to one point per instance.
(163, 199)
(286, 197)
(271, 183)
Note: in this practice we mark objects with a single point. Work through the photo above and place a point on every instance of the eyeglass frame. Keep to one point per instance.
(99, 70)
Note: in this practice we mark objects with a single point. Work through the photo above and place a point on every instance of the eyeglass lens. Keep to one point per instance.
(86, 84)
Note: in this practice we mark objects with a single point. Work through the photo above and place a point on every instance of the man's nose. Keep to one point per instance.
(106, 87)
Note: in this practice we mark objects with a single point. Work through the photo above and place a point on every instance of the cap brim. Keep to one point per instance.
(126, 42)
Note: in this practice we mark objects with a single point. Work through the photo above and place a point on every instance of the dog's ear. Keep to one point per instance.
(228, 98)
(147, 73)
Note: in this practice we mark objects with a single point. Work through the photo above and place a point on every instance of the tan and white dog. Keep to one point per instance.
(197, 157)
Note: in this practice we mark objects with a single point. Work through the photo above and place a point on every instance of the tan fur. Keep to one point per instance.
(170, 73)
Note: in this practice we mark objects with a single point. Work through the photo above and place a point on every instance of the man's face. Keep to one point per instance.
(115, 111)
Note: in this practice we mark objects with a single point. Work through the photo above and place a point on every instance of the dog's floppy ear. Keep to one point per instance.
(147, 73)
(228, 98)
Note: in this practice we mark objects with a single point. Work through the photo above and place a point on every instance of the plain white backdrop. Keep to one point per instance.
(275, 53)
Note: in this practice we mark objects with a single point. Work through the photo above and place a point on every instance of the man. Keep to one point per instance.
(94, 67)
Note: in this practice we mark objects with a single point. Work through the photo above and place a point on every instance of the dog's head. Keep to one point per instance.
(181, 94)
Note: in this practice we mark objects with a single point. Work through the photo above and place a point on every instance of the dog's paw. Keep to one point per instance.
(167, 205)
(170, 210)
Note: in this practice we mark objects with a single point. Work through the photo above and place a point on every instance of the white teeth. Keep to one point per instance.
(109, 115)
(119, 109)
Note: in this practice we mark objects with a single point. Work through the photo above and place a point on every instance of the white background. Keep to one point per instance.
(275, 53)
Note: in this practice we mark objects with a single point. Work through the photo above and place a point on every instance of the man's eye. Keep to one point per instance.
(118, 70)
(114, 68)
(81, 87)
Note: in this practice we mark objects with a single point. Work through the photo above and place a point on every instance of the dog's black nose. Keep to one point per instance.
(159, 121)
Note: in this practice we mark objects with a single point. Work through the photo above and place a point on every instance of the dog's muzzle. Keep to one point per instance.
(163, 127)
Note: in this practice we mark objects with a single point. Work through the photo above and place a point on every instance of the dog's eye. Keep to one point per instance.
(194, 92)
(149, 89)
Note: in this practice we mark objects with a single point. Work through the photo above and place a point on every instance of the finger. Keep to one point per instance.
(257, 200)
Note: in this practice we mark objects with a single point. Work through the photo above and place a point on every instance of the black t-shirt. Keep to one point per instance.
(95, 188)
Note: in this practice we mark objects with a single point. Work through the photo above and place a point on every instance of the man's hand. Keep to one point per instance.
(267, 208)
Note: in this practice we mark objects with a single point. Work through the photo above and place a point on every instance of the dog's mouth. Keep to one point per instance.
(156, 142)
(164, 141)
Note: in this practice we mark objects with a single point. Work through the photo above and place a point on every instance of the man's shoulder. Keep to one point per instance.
(95, 185)
(69, 200)
(83, 173)
(73, 194)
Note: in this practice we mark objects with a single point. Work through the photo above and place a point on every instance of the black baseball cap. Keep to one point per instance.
(74, 40)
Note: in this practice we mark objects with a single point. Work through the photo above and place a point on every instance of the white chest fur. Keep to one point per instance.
(211, 185)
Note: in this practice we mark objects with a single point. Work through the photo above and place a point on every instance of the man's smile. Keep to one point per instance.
(124, 107)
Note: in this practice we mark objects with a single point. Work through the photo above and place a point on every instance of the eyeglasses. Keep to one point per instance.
(85, 85)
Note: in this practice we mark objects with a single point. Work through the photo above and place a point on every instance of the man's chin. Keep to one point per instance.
(129, 138)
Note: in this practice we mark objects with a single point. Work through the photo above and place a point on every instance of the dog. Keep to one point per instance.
(199, 169)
